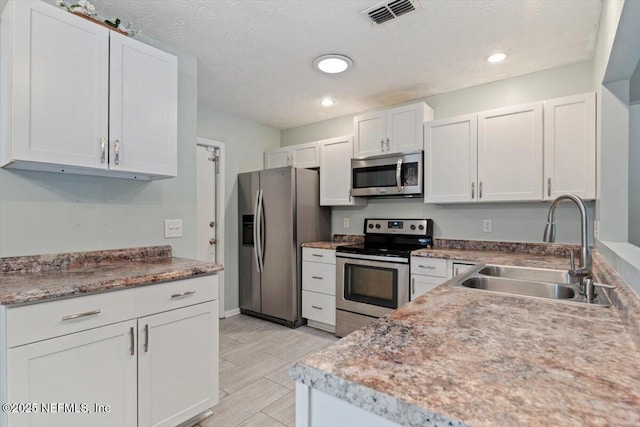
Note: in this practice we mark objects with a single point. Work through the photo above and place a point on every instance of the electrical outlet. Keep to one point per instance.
(172, 228)
(345, 222)
(487, 226)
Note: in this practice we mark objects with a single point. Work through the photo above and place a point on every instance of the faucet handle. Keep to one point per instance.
(573, 259)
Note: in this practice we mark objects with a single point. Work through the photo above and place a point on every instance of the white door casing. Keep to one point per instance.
(210, 202)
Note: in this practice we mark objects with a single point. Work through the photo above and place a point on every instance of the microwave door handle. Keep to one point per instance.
(399, 176)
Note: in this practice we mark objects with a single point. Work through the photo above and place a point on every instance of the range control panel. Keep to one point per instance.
(414, 227)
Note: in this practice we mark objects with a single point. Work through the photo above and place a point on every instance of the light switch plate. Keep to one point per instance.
(172, 228)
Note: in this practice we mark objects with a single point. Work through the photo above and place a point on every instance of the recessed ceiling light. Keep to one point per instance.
(326, 102)
(497, 57)
(333, 64)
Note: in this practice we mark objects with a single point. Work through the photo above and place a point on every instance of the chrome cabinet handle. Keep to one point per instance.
(316, 307)
(116, 147)
(318, 255)
(473, 190)
(413, 286)
(182, 294)
(480, 190)
(103, 149)
(549, 186)
(316, 277)
(132, 350)
(146, 338)
(79, 315)
(399, 185)
(428, 267)
(388, 145)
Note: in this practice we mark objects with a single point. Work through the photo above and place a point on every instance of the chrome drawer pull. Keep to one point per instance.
(318, 255)
(428, 267)
(316, 307)
(317, 277)
(79, 315)
(182, 294)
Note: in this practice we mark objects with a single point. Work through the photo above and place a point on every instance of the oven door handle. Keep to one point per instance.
(380, 258)
(399, 176)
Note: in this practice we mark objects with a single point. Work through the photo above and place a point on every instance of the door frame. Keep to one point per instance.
(220, 215)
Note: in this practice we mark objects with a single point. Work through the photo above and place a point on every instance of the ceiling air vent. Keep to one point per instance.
(388, 10)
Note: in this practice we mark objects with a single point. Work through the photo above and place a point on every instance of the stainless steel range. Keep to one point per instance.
(372, 278)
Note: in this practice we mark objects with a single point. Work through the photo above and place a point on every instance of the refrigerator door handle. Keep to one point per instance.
(259, 245)
(263, 233)
(255, 230)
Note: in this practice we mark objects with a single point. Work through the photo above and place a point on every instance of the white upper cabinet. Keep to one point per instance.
(510, 153)
(335, 172)
(450, 159)
(299, 156)
(80, 98)
(570, 146)
(390, 131)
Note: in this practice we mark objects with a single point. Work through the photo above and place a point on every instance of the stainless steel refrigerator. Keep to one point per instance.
(279, 209)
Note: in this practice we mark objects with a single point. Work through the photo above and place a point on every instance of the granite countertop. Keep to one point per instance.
(338, 240)
(458, 356)
(32, 279)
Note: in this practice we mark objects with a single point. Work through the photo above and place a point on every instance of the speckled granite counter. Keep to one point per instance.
(31, 279)
(464, 357)
(338, 240)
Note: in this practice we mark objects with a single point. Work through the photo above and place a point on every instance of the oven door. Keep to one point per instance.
(372, 286)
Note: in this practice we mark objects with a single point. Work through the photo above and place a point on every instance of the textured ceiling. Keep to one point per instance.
(255, 56)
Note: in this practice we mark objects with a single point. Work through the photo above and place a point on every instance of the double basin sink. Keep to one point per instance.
(529, 282)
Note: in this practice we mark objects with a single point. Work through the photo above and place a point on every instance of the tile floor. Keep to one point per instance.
(255, 357)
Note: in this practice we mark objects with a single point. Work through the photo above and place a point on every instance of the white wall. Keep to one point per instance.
(245, 142)
(43, 212)
(511, 221)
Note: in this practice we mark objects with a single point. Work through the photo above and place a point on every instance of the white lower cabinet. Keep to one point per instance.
(426, 274)
(319, 288)
(147, 369)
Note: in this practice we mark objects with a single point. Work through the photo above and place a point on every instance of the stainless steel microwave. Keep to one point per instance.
(387, 175)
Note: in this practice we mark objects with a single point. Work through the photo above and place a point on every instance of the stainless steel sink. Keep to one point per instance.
(520, 287)
(528, 282)
(526, 273)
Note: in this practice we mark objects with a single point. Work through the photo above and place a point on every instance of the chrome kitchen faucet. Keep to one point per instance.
(584, 272)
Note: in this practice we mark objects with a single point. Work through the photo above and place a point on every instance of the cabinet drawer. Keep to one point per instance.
(327, 256)
(171, 295)
(318, 277)
(423, 284)
(37, 322)
(319, 307)
(429, 266)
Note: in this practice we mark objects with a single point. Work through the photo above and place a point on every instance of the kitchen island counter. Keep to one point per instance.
(464, 357)
(32, 279)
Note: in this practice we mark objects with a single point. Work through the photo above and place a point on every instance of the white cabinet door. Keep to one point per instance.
(143, 108)
(404, 128)
(570, 146)
(306, 155)
(451, 159)
(335, 173)
(55, 75)
(277, 158)
(423, 284)
(177, 364)
(369, 133)
(510, 153)
(97, 366)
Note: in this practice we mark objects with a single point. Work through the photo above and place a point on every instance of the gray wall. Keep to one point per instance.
(511, 221)
(245, 142)
(634, 174)
(43, 212)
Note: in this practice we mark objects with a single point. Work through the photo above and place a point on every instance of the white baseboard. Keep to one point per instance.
(231, 313)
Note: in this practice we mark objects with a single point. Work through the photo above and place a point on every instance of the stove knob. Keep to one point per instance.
(377, 225)
(370, 225)
(413, 226)
(421, 227)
